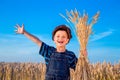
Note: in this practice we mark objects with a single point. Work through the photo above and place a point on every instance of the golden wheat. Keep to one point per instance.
(83, 31)
(36, 71)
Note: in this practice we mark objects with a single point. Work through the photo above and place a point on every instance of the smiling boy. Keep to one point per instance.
(58, 59)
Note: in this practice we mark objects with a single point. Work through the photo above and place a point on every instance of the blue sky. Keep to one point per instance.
(40, 17)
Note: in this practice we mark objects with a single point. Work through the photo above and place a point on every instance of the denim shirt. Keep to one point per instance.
(58, 64)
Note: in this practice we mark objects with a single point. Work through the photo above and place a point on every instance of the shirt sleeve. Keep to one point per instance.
(73, 61)
(46, 50)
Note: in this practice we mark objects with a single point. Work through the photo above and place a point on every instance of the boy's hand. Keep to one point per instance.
(20, 30)
(84, 52)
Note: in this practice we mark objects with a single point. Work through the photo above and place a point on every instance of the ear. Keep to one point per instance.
(54, 40)
(67, 41)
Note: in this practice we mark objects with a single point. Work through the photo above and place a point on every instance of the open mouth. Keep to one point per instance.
(60, 42)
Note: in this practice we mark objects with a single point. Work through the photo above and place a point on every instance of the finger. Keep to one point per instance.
(16, 30)
(18, 25)
(22, 25)
(16, 33)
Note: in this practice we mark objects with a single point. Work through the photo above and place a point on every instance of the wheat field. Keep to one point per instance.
(36, 71)
(84, 69)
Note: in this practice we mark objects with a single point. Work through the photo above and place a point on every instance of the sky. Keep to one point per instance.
(40, 17)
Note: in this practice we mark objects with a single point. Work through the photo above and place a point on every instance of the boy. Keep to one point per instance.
(58, 60)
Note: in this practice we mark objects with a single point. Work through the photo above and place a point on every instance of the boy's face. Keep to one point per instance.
(61, 38)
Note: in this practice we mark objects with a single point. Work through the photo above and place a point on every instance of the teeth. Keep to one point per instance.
(60, 42)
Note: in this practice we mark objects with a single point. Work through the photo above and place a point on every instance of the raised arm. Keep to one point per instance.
(21, 30)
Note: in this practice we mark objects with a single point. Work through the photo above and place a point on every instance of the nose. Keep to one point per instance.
(60, 38)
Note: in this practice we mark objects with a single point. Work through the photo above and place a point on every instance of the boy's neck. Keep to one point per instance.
(60, 49)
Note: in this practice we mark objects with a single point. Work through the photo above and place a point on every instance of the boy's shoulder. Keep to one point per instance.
(68, 51)
(71, 53)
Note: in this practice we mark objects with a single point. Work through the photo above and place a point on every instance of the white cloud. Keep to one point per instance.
(101, 35)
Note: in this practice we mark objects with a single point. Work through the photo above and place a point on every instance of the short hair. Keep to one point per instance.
(62, 28)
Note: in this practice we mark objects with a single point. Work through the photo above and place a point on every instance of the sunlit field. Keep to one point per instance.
(36, 71)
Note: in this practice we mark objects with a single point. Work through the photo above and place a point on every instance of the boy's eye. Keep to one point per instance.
(57, 36)
(63, 36)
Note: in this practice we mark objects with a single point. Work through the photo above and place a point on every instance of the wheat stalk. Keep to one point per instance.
(83, 31)
(35, 71)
